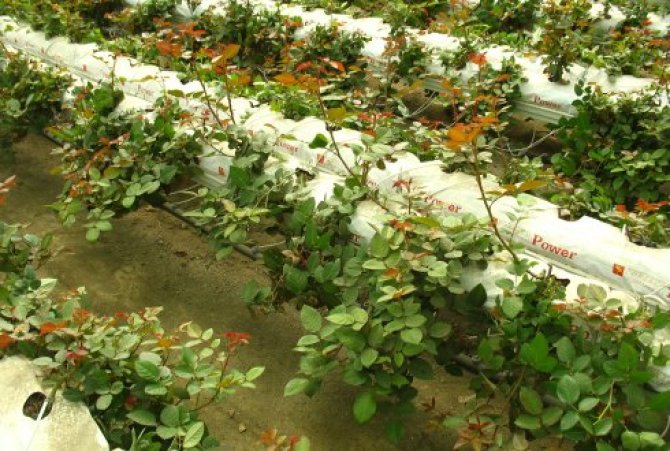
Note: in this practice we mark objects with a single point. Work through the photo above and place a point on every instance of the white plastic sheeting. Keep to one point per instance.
(540, 98)
(68, 426)
(586, 246)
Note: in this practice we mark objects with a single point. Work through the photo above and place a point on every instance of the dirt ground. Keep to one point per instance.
(151, 259)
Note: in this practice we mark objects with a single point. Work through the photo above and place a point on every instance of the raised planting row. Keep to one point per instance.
(420, 52)
(593, 141)
(615, 35)
(388, 310)
(433, 53)
(535, 225)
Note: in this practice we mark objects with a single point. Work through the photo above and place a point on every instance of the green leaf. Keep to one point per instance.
(368, 357)
(296, 280)
(395, 430)
(302, 445)
(295, 386)
(365, 406)
(194, 435)
(147, 370)
(341, 319)
(411, 336)
(526, 287)
(379, 248)
(661, 401)
(569, 420)
(143, 417)
(421, 369)
(311, 319)
(630, 440)
(651, 440)
(454, 422)
(587, 404)
(155, 390)
(603, 426)
(567, 389)
(170, 416)
(602, 446)
(512, 306)
(373, 264)
(166, 433)
(104, 402)
(440, 329)
(565, 350)
(536, 353)
(308, 340)
(92, 234)
(319, 141)
(254, 373)
(628, 358)
(528, 422)
(551, 415)
(112, 172)
(530, 400)
(238, 177)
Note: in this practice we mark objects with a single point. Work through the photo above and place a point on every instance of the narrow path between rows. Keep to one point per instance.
(152, 259)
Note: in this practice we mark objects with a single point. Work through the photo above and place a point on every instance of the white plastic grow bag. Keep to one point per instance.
(641, 273)
(68, 426)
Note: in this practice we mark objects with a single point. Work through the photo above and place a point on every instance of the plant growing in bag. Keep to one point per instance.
(29, 97)
(564, 25)
(382, 322)
(144, 385)
(249, 196)
(74, 19)
(616, 148)
(573, 369)
(508, 15)
(647, 224)
(111, 160)
(262, 35)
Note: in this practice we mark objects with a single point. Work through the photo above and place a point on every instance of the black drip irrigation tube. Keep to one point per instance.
(253, 253)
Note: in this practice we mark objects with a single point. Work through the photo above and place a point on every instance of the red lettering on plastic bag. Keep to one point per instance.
(538, 241)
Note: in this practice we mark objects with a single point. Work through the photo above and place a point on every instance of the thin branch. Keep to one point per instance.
(494, 223)
(522, 150)
(208, 102)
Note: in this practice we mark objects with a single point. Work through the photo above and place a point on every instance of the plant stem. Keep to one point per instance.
(208, 101)
(487, 205)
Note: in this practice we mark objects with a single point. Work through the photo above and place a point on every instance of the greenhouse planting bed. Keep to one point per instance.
(395, 223)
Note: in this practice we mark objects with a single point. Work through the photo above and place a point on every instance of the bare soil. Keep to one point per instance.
(153, 259)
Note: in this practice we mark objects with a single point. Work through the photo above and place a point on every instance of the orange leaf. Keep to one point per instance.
(486, 120)
(530, 185)
(391, 273)
(477, 58)
(5, 341)
(49, 327)
(303, 66)
(462, 133)
(230, 51)
(337, 65)
(286, 79)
